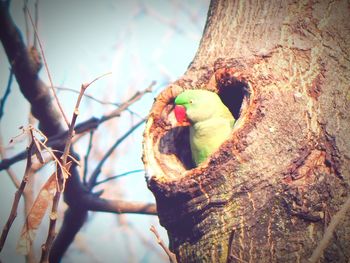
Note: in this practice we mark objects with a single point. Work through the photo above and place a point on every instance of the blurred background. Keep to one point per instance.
(139, 42)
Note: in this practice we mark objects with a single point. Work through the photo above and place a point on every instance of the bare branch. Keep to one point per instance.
(94, 203)
(86, 157)
(17, 198)
(337, 218)
(28, 194)
(62, 175)
(102, 102)
(148, 242)
(96, 79)
(74, 118)
(96, 172)
(46, 66)
(118, 176)
(171, 255)
(28, 197)
(138, 95)
(88, 96)
(91, 124)
(52, 227)
(36, 5)
(26, 21)
(73, 220)
(75, 216)
(25, 70)
(6, 94)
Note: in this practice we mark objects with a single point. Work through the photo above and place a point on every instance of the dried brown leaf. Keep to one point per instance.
(36, 215)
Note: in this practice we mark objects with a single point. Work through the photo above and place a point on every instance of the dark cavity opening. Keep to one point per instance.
(233, 94)
(176, 141)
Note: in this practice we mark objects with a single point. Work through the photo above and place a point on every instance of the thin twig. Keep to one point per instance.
(89, 96)
(61, 177)
(26, 22)
(47, 68)
(28, 198)
(36, 5)
(318, 252)
(17, 198)
(125, 105)
(118, 176)
(83, 127)
(51, 152)
(92, 202)
(148, 242)
(96, 79)
(28, 194)
(86, 157)
(171, 255)
(71, 158)
(7, 93)
(96, 172)
(102, 102)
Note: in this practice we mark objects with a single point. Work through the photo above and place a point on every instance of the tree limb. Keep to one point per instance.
(102, 102)
(37, 39)
(58, 139)
(18, 194)
(25, 70)
(76, 214)
(93, 203)
(7, 93)
(118, 176)
(322, 245)
(86, 157)
(96, 172)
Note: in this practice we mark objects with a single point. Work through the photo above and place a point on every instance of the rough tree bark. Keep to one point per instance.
(269, 192)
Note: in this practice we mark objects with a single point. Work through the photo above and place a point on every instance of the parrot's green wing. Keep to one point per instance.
(207, 136)
(211, 120)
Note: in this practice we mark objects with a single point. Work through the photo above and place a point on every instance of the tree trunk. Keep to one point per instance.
(269, 192)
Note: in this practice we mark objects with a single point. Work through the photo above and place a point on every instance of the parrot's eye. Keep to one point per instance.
(191, 101)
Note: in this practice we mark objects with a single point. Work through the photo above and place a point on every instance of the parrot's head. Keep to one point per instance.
(193, 106)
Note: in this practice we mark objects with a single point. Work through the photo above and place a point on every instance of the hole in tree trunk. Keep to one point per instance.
(174, 145)
(233, 94)
(176, 142)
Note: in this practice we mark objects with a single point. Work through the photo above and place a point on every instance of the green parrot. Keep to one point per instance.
(210, 121)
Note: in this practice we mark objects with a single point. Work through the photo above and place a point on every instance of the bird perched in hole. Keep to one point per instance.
(210, 121)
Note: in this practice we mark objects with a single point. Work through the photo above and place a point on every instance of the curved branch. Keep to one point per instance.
(73, 220)
(25, 69)
(6, 94)
(96, 172)
(57, 140)
(75, 216)
(118, 176)
(118, 206)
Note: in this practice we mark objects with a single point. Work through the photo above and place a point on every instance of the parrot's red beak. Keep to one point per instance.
(180, 115)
